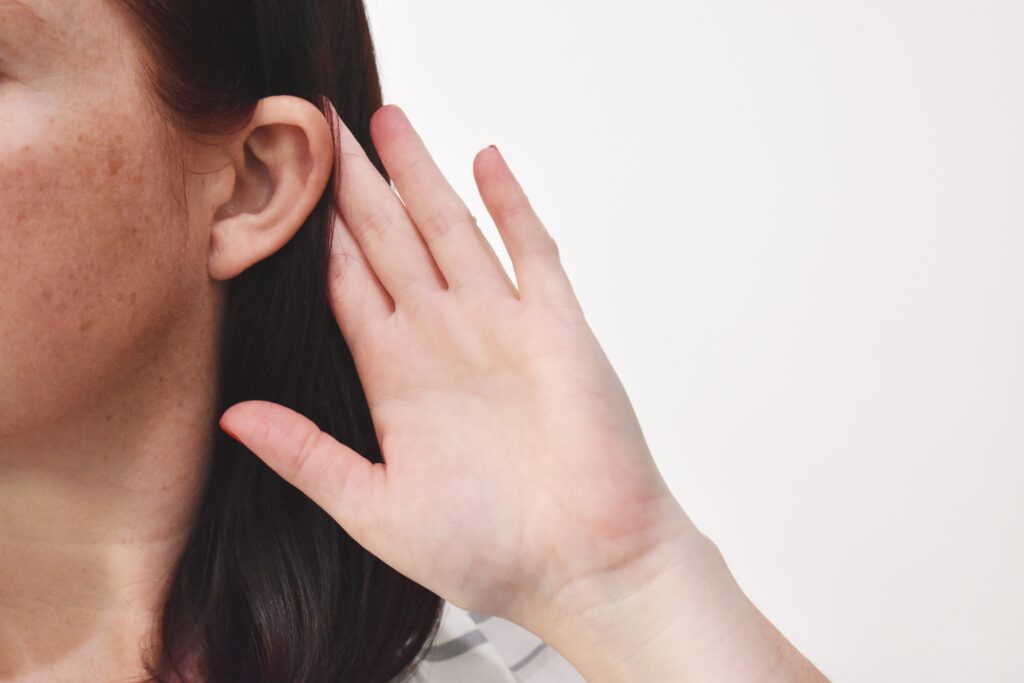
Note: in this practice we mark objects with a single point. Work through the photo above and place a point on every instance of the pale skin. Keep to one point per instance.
(496, 400)
(487, 395)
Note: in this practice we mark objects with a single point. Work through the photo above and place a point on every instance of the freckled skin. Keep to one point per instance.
(108, 334)
(98, 269)
(111, 303)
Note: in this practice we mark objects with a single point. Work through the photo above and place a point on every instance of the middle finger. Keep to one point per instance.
(462, 253)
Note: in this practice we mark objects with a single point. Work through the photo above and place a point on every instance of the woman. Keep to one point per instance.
(196, 243)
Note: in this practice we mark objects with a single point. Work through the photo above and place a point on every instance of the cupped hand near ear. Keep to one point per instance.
(514, 463)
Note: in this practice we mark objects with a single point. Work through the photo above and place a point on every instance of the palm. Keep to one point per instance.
(506, 437)
(513, 459)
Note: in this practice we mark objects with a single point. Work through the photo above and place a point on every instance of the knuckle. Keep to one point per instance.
(440, 222)
(555, 251)
(306, 454)
(409, 169)
(373, 226)
(515, 211)
(543, 246)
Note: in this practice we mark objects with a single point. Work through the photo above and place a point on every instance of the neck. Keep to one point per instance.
(95, 510)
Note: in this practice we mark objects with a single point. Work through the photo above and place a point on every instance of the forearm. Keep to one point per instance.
(680, 617)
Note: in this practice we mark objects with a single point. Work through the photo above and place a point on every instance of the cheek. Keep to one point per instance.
(93, 258)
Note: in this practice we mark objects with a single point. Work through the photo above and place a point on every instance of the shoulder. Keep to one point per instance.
(471, 647)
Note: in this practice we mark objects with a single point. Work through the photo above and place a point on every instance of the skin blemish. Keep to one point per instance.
(114, 163)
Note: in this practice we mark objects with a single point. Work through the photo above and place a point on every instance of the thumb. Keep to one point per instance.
(342, 482)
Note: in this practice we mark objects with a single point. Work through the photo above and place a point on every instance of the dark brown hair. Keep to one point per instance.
(270, 588)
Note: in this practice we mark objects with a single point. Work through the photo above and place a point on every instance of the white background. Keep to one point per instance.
(796, 228)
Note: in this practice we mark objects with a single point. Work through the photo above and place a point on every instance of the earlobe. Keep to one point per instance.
(281, 163)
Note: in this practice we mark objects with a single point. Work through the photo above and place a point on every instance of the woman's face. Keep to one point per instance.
(101, 268)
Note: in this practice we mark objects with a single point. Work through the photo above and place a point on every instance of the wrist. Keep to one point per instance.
(676, 615)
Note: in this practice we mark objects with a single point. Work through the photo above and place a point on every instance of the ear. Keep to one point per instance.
(281, 163)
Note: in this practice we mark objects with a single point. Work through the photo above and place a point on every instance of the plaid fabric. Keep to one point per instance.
(471, 647)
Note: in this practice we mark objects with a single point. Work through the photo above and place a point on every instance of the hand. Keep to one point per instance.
(514, 463)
